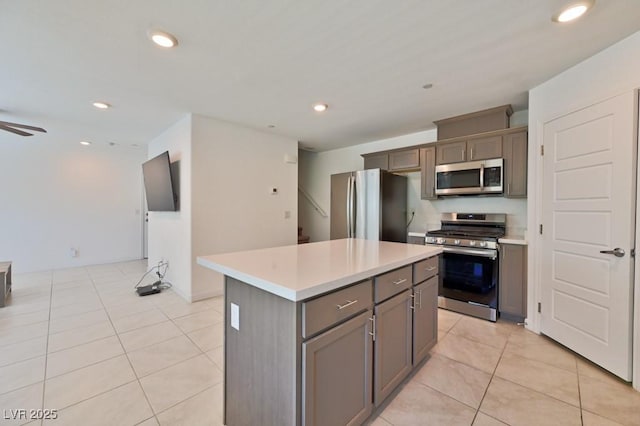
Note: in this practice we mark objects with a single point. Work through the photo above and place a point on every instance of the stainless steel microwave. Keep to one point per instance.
(474, 177)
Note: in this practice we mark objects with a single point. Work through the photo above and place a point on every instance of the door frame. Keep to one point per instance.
(535, 216)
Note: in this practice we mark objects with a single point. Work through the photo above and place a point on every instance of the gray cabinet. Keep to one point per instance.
(393, 161)
(484, 148)
(404, 160)
(475, 149)
(515, 164)
(337, 374)
(376, 161)
(415, 240)
(454, 152)
(392, 348)
(425, 318)
(512, 288)
(428, 173)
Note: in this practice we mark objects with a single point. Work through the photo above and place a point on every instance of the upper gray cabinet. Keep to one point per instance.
(428, 173)
(515, 164)
(453, 152)
(474, 149)
(376, 161)
(405, 160)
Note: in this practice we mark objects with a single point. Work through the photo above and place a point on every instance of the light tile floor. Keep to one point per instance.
(80, 341)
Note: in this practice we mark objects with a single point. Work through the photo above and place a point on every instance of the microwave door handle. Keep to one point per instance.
(481, 176)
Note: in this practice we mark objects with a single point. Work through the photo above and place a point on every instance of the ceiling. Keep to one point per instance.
(260, 63)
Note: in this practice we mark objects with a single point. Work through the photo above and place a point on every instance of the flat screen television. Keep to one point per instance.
(158, 184)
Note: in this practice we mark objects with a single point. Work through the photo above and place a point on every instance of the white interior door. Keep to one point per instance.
(589, 207)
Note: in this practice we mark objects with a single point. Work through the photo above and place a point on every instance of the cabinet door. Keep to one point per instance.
(415, 240)
(376, 161)
(455, 152)
(484, 148)
(428, 173)
(336, 379)
(392, 347)
(404, 160)
(515, 163)
(425, 318)
(513, 280)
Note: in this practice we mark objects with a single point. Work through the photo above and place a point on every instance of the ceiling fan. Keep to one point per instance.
(15, 128)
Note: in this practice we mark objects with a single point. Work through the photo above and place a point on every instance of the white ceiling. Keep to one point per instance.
(265, 62)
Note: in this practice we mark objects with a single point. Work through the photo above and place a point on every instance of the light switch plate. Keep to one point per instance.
(235, 316)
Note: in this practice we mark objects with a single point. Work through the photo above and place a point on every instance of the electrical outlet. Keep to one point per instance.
(412, 211)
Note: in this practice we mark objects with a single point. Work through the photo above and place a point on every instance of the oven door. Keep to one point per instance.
(469, 276)
(477, 177)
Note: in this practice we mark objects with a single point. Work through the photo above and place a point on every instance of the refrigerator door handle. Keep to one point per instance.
(348, 206)
(353, 207)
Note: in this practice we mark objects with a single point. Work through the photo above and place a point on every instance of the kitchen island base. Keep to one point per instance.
(320, 334)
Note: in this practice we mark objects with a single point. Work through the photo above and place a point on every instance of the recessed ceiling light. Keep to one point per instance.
(320, 107)
(101, 105)
(85, 143)
(427, 86)
(163, 38)
(573, 11)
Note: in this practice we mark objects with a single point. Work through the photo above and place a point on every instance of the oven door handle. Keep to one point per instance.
(492, 254)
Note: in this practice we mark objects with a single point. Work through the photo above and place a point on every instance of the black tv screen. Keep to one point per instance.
(158, 184)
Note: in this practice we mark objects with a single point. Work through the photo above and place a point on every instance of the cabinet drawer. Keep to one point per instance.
(425, 269)
(391, 283)
(323, 312)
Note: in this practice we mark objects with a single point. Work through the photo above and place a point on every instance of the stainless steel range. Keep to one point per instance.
(469, 263)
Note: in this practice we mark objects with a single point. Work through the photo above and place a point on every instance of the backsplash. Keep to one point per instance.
(428, 212)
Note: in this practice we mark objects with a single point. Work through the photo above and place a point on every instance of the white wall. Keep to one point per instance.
(316, 169)
(611, 72)
(170, 232)
(233, 169)
(60, 195)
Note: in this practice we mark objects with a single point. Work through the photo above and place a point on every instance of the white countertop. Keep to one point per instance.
(299, 272)
(513, 239)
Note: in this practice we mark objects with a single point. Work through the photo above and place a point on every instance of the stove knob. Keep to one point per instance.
(483, 243)
(430, 240)
(456, 242)
(440, 241)
(472, 243)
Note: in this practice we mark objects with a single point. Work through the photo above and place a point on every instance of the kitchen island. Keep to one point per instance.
(322, 333)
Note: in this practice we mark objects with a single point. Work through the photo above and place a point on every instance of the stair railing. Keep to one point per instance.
(313, 202)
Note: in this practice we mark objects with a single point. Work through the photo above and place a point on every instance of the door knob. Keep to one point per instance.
(617, 252)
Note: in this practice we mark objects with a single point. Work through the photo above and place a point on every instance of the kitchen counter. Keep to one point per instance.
(513, 239)
(417, 234)
(299, 272)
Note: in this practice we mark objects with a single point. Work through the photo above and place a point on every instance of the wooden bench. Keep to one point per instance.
(5, 282)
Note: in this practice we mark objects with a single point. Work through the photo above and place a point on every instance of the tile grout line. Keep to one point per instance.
(46, 353)
(491, 379)
(579, 393)
(123, 349)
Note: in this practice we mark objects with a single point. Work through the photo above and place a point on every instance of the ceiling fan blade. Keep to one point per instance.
(23, 126)
(16, 131)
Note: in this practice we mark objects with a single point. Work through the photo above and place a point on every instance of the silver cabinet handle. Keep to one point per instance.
(471, 154)
(400, 281)
(420, 299)
(430, 268)
(346, 305)
(413, 301)
(617, 252)
(373, 327)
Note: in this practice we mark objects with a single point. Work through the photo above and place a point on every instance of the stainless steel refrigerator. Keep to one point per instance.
(370, 204)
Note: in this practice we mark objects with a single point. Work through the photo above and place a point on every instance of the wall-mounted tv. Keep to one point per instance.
(158, 184)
